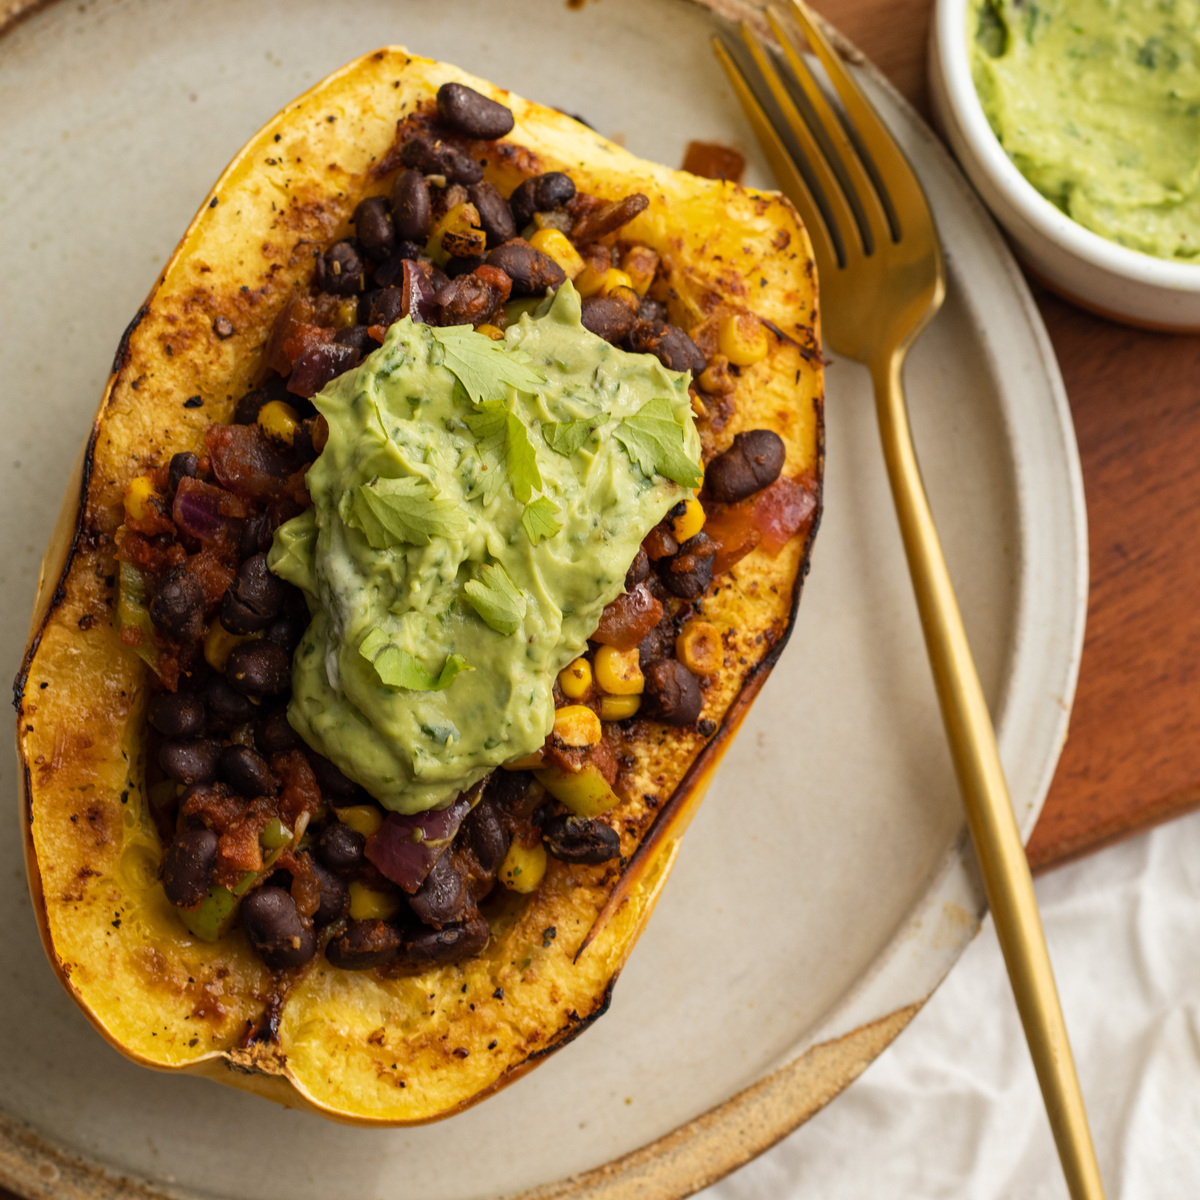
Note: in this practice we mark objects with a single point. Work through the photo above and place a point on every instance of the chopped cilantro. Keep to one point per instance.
(494, 426)
(566, 437)
(399, 669)
(655, 441)
(393, 512)
(540, 519)
(484, 367)
(497, 600)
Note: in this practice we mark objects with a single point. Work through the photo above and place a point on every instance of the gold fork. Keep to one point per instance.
(881, 276)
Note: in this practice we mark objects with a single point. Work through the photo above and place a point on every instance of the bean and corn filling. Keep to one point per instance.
(258, 828)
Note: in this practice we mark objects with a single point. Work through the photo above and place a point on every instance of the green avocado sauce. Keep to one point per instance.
(1097, 102)
(475, 508)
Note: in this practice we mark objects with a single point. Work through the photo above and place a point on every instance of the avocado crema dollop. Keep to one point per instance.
(1097, 102)
(476, 506)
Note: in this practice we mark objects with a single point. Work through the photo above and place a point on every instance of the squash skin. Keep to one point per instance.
(352, 1046)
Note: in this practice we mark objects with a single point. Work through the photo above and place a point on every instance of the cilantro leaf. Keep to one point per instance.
(393, 512)
(566, 437)
(520, 459)
(655, 441)
(494, 426)
(484, 367)
(541, 519)
(399, 669)
(497, 600)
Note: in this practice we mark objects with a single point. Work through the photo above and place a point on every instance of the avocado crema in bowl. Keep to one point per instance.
(444, 603)
(1079, 123)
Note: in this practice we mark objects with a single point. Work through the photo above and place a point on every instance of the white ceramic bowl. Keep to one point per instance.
(1090, 270)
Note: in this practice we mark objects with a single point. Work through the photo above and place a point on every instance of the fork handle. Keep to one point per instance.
(990, 816)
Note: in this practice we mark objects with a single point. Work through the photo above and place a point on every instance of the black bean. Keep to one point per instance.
(650, 309)
(752, 463)
(178, 609)
(468, 112)
(531, 271)
(342, 269)
(463, 266)
(373, 224)
(286, 631)
(257, 588)
(341, 847)
(436, 157)
(542, 193)
(391, 273)
(607, 317)
(177, 714)
(319, 364)
(273, 388)
(470, 299)
(673, 348)
(330, 780)
(638, 569)
(412, 211)
(450, 944)
(259, 669)
(256, 534)
(672, 693)
(356, 336)
(363, 945)
(247, 772)
(659, 642)
(227, 709)
(387, 307)
(335, 896)
(188, 866)
(275, 735)
(581, 839)
(495, 215)
(183, 465)
(442, 897)
(486, 836)
(193, 761)
(273, 927)
(688, 573)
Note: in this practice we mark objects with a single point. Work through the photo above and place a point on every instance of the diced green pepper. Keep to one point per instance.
(585, 792)
(215, 914)
(275, 835)
(132, 613)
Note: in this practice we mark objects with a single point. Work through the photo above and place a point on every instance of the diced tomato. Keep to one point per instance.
(628, 619)
(296, 312)
(246, 461)
(782, 510)
(733, 529)
(300, 793)
(212, 573)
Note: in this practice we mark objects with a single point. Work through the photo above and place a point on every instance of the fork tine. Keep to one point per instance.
(839, 207)
(890, 162)
(860, 181)
(794, 186)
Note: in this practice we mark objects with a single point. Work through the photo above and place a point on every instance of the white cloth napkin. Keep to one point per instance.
(952, 1109)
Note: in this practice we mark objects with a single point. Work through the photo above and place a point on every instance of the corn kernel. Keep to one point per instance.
(279, 420)
(523, 867)
(456, 235)
(576, 725)
(575, 679)
(492, 331)
(219, 642)
(139, 497)
(614, 279)
(585, 792)
(619, 708)
(558, 246)
(619, 672)
(689, 522)
(742, 338)
(699, 648)
(367, 904)
(362, 818)
(589, 281)
(640, 263)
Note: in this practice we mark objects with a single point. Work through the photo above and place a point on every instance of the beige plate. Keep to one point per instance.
(825, 887)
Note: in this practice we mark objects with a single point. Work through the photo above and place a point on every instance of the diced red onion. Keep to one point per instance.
(205, 512)
(418, 293)
(317, 365)
(405, 848)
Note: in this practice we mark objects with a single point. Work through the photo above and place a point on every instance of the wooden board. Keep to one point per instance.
(1132, 756)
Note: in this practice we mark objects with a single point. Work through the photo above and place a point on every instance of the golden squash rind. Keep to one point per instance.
(350, 1046)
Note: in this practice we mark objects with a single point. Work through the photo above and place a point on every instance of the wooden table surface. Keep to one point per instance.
(1132, 756)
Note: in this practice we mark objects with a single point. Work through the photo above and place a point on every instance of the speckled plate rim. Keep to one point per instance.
(704, 1150)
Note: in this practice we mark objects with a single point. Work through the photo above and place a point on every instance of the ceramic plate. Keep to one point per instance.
(825, 887)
